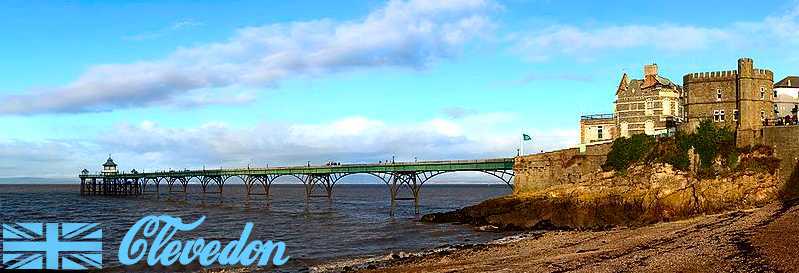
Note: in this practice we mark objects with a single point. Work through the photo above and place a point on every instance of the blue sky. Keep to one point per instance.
(184, 84)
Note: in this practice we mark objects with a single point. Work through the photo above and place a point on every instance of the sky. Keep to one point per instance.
(193, 84)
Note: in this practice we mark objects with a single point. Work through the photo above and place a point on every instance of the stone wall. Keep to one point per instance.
(785, 141)
(540, 171)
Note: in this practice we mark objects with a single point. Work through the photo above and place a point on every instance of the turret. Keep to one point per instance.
(754, 101)
(746, 67)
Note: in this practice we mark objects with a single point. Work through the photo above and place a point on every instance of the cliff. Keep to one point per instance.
(645, 193)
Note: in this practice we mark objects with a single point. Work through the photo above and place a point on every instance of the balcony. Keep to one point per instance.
(597, 116)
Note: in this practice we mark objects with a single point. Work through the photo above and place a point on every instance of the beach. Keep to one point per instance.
(758, 240)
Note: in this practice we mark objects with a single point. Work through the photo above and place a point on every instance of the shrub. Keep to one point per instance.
(626, 151)
(711, 141)
(671, 150)
(759, 158)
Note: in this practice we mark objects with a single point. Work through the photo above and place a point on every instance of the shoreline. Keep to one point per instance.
(354, 264)
(751, 240)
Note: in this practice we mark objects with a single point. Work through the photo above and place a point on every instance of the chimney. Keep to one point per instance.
(650, 72)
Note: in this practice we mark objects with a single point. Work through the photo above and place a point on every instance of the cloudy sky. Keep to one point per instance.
(187, 84)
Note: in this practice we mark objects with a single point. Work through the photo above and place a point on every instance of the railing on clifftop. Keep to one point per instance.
(597, 116)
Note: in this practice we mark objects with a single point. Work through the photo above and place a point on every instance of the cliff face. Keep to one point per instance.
(645, 194)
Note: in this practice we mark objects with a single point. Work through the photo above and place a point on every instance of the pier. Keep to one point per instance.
(318, 181)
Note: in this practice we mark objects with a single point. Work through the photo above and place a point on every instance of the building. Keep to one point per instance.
(652, 105)
(742, 100)
(787, 96)
(595, 129)
(109, 167)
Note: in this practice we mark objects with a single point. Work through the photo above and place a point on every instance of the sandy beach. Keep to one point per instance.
(758, 240)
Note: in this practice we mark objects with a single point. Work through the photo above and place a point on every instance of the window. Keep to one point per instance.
(721, 115)
(776, 109)
(718, 94)
(775, 94)
(735, 115)
(762, 93)
(716, 116)
(624, 129)
(762, 115)
(599, 132)
(649, 127)
(649, 105)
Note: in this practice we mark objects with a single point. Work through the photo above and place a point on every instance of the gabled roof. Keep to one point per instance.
(667, 82)
(623, 84)
(637, 85)
(788, 82)
(109, 163)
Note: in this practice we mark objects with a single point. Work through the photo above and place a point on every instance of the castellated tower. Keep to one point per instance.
(741, 100)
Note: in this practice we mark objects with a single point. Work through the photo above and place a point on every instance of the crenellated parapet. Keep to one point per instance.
(763, 74)
(710, 76)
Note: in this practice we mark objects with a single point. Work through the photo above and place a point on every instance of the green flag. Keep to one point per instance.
(526, 137)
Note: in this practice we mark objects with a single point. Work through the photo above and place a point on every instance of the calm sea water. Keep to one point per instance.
(355, 224)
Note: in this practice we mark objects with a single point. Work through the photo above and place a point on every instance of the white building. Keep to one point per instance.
(786, 94)
(109, 167)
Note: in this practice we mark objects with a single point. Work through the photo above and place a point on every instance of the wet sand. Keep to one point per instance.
(758, 240)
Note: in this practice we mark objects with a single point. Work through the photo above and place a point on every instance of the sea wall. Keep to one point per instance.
(785, 142)
(540, 171)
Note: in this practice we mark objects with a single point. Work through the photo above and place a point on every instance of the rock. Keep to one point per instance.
(646, 194)
(443, 217)
(488, 228)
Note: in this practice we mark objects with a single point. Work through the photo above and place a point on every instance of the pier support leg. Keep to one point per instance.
(323, 181)
(393, 188)
(264, 180)
(408, 179)
(218, 180)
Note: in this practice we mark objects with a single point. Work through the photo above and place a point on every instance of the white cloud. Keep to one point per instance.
(402, 33)
(585, 42)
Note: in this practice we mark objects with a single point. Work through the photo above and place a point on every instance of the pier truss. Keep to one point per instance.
(404, 179)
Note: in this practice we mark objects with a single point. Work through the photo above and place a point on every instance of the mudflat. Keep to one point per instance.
(765, 239)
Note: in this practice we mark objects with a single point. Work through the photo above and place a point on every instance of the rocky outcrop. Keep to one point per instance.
(644, 194)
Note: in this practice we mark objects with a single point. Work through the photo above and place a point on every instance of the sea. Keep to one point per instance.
(355, 224)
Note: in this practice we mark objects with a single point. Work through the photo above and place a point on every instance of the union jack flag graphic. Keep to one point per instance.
(67, 246)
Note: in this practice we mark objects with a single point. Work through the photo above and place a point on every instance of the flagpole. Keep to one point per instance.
(521, 143)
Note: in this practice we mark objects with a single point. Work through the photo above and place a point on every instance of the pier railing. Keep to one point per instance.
(442, 165)
(396, 175)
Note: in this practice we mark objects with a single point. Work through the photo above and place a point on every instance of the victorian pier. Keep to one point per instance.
(318, 181)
